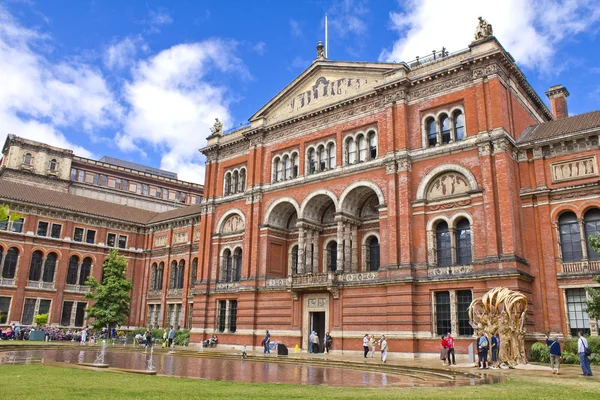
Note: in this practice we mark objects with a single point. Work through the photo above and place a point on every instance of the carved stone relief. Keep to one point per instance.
(180, 237)
(196, 235)
(574, 169)
(448, 184)
(235, 223)
(160, 241)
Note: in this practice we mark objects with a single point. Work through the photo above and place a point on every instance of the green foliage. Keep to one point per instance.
(5, 214)
(539, 353)
(593, 304)
(570, 358)
(111, 297)
(182, 336)
(41, 319)
(570, 347)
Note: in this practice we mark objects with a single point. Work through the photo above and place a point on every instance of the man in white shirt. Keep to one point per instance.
(582, 346)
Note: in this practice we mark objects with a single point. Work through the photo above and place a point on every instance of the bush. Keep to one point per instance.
(570, 358)
(593, 343)
(41, 319)
(539, 353)
(182, 337)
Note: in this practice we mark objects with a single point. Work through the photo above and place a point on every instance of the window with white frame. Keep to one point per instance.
(360, 147)
(579, 319)
(32, 307)
(451, 312)
(234, 182)
(320, 157)
(445, 127)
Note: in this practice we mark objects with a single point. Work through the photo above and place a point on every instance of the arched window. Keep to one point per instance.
(591, 220)
(444, 248)
(153, 276)
(463, 242)
(180, 274)
(295, 164)
(332, 256)
(373, 253)
(295, 260)
(237, 259)
(351, 149)
(173, 275)
(194, 273)
(459, 125)
(287, 174)
(445, 126)
(312, 161)
(10, 263)
(227, 185)
(49, 268)
(159, 276)
(570, 240)
(227, 265)
(236, 181)
(72, 270)
(242, 180)
(86, 268)
(322, 158)
(279, 170)
(35, 268)
(53, 165)
(27, 159)
(373, 145)
(331, 155)
(431, 130)
(362, 148)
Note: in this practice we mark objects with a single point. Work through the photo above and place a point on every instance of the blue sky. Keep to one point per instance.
(144, 80)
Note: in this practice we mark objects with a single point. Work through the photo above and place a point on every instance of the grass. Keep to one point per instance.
(50, 382)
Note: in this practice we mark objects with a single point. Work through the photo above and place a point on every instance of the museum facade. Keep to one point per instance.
(372, 197)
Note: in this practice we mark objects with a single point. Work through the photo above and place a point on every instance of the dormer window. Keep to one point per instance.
(27, 160)
(52, 165)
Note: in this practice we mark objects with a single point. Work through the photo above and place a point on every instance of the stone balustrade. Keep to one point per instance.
(581, 267)
(41, 285)
(77, 288)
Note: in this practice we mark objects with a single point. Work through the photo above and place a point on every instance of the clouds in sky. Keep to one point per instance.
(529, 30)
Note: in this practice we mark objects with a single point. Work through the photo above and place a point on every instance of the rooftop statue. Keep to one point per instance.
(483, 30)
(320, 51)
(217, 128)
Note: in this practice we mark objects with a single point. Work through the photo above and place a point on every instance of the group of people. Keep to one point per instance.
(370, 346)
(447, 352)
(13, 333)
(484, 346)
(556, 354)
(314, 343)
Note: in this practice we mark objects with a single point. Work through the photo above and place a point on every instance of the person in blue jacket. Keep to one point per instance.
(555, 354)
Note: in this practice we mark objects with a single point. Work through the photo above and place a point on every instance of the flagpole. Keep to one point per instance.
(326, 41)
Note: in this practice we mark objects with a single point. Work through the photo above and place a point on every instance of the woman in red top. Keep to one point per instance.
(444, 352)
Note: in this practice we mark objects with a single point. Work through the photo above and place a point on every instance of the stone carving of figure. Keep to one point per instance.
(217, 128)
(483, 30)
(320, 51)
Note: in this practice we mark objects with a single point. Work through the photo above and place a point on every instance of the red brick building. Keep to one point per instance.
(382, 198)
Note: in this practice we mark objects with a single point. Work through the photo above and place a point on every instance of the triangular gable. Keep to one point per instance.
(322, 84)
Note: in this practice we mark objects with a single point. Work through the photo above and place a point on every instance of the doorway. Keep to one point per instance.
(317, 324)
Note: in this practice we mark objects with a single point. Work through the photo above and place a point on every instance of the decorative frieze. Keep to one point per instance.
(448, 184)
(359, 277)
(320, 302)
(180, 237)
(160, 241)
(278, 282)
(227, 286)
(438, 86)
(485, 149)
(454, 270)
(579, 168)
(481, 72)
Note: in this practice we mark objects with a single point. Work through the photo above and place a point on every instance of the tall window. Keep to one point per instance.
(445, 125)
(443, 244)
(591, 220)
(463, 299)
(49, 268)
(279, 170)
(52, 165)
(351, 151)
(80, 313)
(221, 315)
(65, 316)
(232, 315)
(237, 259)
(295, 164)
(442, 313)
(86, 269)
(154, 271)
(578, 317)
(373, 145)
(463, 242)
(28, 311)
(27, 159)
(72, 270)
(181, 274)
(35, 268)
(312, 160)
(373, 254)
(227, 185)
(159, 276)
(431, 130)
(227, 265)
(17, 225)
(362, 148)
(194, 272)
(242, 186)
(331, 155)
(570, 240)
(173, 275)
(332, 256)
(288, 167)
(322, 158)
(10, 263)
(295, 260)
(236, 181)
(459, 125)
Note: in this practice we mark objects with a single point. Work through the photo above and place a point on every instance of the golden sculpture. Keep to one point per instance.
(502, 311)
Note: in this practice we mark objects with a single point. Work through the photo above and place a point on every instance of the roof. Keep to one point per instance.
(71, 202)
(560, 127)
(138, 167)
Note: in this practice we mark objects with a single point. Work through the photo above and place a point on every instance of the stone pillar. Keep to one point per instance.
(354, 237)
(78, 272)
(227, 313)
(453, 314)
(347, 249)
(453, 244)
(452, 132)
(438, 132)
(316, 252)
(309, 252)
(340, 246)
(583, 240)
(301, 252)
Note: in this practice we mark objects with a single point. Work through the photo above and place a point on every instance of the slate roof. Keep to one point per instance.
(70, 202)
(560, 127)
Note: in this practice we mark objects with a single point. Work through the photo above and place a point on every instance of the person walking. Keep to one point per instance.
(148, 336)
(384, 349)
(310, 341)
(555, 354)
(171, 336)
(366, 345)
(483, 346)
(583, 350)
(316, 343)
(450, 347)
(444, 349)
(266, 342)
(372, 345)
(327, 341)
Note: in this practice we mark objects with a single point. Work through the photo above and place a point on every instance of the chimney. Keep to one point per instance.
(558, 101)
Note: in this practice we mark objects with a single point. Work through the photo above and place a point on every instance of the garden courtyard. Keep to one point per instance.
(69, 381)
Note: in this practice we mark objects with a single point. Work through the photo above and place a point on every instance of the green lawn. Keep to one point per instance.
(49, 382)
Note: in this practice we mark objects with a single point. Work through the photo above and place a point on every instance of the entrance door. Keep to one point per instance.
(317, 324)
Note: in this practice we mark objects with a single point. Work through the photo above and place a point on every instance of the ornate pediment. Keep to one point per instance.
(323, 84)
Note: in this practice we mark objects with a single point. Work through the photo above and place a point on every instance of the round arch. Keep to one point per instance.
(370, 234)
(317, 193)
(559, 210)
(227, 214)
(363, 183)
(441, 169)
(432, 223)
(459, 215)
(278, 201)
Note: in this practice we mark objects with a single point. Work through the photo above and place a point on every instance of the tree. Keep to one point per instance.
(41, 320)
(111, 297)
(5, 214)
(593, 304)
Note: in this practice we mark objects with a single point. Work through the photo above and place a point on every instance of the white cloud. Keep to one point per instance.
(38, 97)
(529, 30)
(347, 17)
(157, 18)
(121, 54)
(173, 104)
(295, 28)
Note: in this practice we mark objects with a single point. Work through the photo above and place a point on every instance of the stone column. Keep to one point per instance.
(340, 246)
(301, 252)
(308, 268)
(78, 272)
(453, 245)
(227, 313)
(347, 249)
(316, 252)
(354, 237)
(452, 132)
(438, 132)
(73, 314)
(583, 240)
(453, 314)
